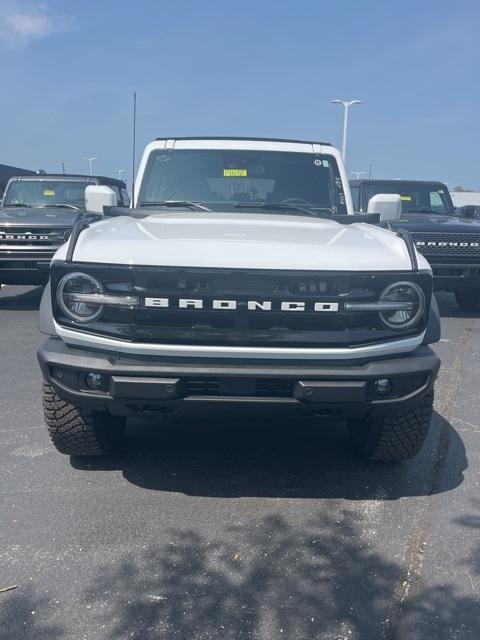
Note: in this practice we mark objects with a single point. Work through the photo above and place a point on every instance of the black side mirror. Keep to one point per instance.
(468, 211)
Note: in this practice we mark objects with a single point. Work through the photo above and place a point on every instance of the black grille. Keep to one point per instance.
(448, 244)
(253, 387)
(242, 326)
(28, 236)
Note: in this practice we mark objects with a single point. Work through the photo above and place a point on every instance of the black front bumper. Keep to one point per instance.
(452, 276)
(134, 385)
(25, 267)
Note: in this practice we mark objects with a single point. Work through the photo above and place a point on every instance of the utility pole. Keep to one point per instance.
(346, 106)
(91, 160)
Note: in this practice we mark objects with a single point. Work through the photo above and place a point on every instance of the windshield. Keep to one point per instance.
(224, 179)
(416, 197)
(45, 193)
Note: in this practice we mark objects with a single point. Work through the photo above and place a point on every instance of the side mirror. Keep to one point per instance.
(467, 211)
(388, 205)
(99, 196)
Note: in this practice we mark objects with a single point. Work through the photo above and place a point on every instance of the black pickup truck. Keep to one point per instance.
(445, 236)
(37, 214)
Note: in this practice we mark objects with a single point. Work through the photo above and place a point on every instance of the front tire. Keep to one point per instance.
(395, 437)
(468, 299)
(80, 432)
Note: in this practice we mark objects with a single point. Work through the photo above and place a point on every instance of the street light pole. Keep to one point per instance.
(346, 106)
(357, 174)
(90, 159)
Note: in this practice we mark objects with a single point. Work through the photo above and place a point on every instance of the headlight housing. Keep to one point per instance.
(411, 305)
(76, 297)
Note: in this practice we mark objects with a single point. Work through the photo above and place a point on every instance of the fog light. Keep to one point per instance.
(94, 380)
(383, 386)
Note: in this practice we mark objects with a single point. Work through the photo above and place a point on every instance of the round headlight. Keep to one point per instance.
(71, 297)
(410, 300)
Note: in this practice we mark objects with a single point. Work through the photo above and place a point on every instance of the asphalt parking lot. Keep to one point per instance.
(237, 529)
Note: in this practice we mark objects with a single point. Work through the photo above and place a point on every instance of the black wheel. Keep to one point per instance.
(468, 299)
(395, 437)
(80, 432)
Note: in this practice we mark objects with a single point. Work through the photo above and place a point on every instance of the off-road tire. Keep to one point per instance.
(468, 299)
(395, 437)
(80, 432)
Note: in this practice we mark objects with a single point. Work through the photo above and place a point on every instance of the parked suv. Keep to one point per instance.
(37, 214)
(240, 280)
(445, 236)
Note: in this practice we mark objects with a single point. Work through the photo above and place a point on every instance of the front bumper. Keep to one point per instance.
(143, 384)
(452, 276)
(25, 267)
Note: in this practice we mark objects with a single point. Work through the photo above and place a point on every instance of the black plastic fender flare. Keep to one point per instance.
(45, 312)
(433, 331)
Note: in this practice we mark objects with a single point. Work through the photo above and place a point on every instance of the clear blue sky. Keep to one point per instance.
(261, 68)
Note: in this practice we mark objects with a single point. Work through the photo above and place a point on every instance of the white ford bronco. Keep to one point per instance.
(239, 278)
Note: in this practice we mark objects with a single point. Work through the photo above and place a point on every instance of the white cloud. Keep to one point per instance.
(22, 23)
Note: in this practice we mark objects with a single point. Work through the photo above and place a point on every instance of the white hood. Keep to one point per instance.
(243, 241)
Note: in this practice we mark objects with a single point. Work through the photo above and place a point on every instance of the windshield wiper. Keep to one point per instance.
(61, 206)
(176, 203)
(288, 208)
(19, 204)
(422, 210)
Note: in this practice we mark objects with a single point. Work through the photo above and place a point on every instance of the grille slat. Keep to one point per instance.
(255, 387)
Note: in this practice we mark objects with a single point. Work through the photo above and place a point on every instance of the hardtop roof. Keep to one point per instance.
(253, 139)
(356, 183)
(70, 176)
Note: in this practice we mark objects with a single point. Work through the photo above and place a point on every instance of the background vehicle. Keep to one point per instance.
(254, 288)
(466, 201)
(37, 214)
(451, 243)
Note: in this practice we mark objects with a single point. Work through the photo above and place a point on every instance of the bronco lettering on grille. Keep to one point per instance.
(231, 305)
(431, 243)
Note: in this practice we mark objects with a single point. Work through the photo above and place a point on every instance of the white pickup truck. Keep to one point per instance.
(240, 279)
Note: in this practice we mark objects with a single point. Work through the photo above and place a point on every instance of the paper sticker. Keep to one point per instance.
(235, 173)
(48, 192)
(406, 198)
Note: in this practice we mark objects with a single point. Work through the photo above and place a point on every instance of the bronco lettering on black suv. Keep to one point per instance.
(447, 238)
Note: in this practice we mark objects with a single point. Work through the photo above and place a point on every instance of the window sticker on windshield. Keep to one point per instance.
(235, 173)
(406, 198)
(48, 192)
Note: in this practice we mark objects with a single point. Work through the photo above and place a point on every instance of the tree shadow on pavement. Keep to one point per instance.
(24, 615)
(440, 612)
(277, 459)
(272, 579)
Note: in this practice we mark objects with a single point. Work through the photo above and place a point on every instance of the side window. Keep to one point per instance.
(436, 202)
